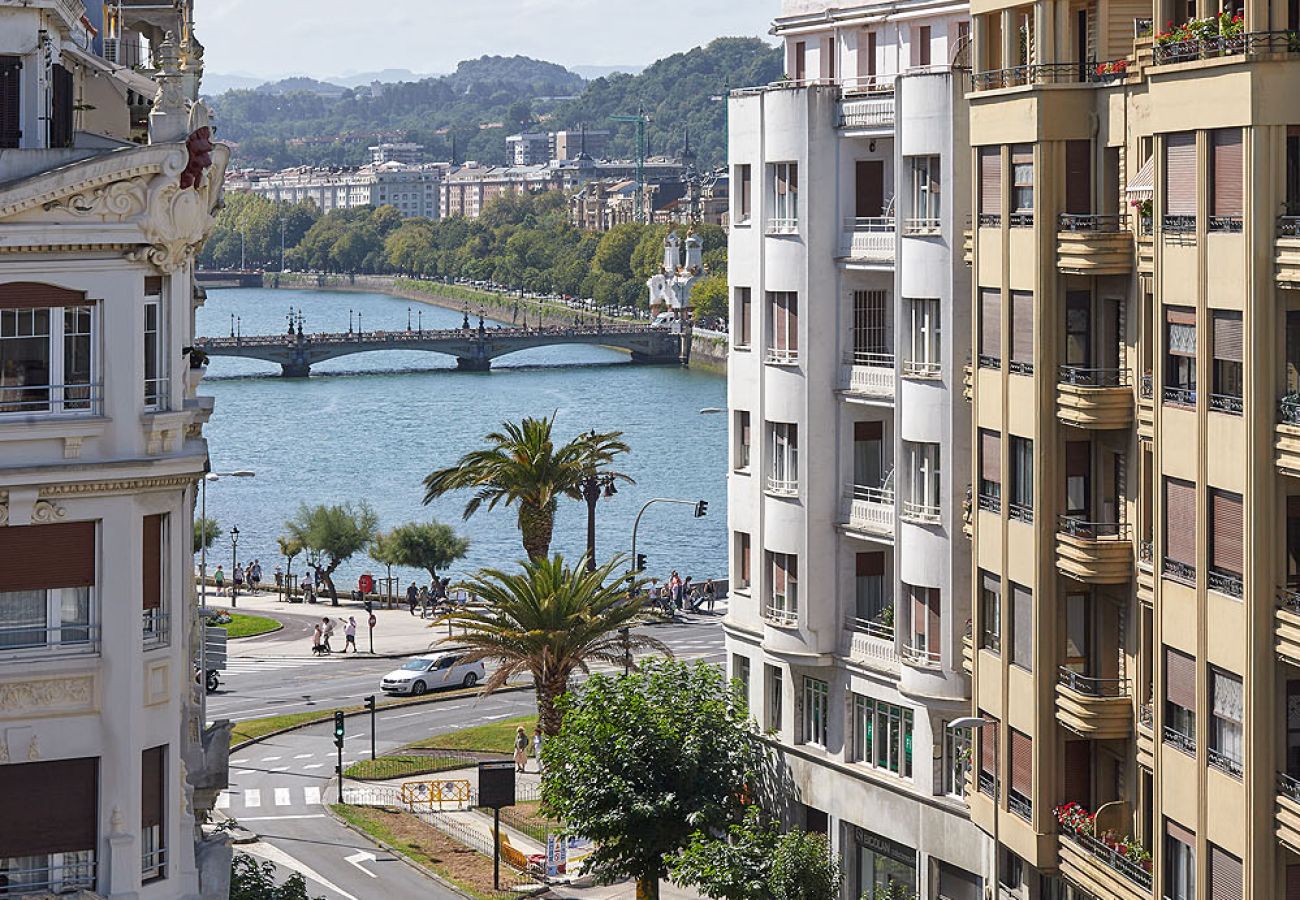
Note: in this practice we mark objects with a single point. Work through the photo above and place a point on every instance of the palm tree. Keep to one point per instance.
(522, 467)
(550, 620)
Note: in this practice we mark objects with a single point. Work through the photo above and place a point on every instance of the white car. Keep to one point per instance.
(433, 672)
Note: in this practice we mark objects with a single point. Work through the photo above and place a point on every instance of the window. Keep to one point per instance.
(922, 501)
(990, 336)
(783, 325)
(828, 59)
(1180, 862)
(867, 42)
(1022, 333)
(956, 758)
(800, 60)
(1180, 530)
(1180, 700)
(742, 560)
(990, 486)
(740, 672)
(1078, 329)
(923, 344)
(46, 586)
(816, 709)
(921, 41)
(783, 475)
(990, 612)
(925, 195)
(744, 319)
(775, 692)
(152, 585)
(1022, 627)
(882, 735)
(783, 591)
(1225, 875)
(872, 603)
(1078, 480)
(1022, 185)
(1180, 182)
(990, 206)
(153, 833)
(871, 345)
(1227, 530)
(785, 198)
(741, 463)
(882, 867)
(45, 351)
(868, 460)
(1022, 479)
(988, 754)
(1226, 180)
(1227, 375)
(59, 127)
(744, 194)
(11, 68)
(1022, 774)
(57, 803)
(1227, 711)
(924, 641)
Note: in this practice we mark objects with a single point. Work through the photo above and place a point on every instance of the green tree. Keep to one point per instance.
(206, 532)
(614, 252)
(709, 296)
(642, 762)
(549, 620)
(289, 548)
(332, 534)
(522, 467)
(425, 545)
(250, 880)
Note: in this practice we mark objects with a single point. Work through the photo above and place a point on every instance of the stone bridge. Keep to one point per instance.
(474, 348)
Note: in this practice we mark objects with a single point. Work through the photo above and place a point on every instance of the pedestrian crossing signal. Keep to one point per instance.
(338, 728)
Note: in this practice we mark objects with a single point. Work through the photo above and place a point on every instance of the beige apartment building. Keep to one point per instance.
(1135, 512)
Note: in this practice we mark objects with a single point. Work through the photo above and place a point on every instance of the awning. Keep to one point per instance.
(141, 84)
(1143, 184)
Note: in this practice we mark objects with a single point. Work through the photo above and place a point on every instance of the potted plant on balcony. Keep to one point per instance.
(198, 364)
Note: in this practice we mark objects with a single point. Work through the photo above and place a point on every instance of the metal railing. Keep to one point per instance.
(1229, 583)
(1111, 858)
(76, 638)
(1227, 403)
(1020, 805)
(869, 112)
(988, 361)
(1178, 224)
(1091, 687)
(1289, 600)
(153, 864)
(990, 502)
(1223, 762)
(786, 487)
(1146, 386)
(922, 225)
(869, 373)
(780, 615)
(1179, 396)
(1288, 410)
(989, 220)
(783, 225)
(1020, 367)
(1082, 376)
(157, 397)
(1092, 72)
(1178, 571)
(155, 626)
(1077, 526)
(870, 508)
(1090, 223)
(917, 368)
(870, 358)
(1225, 223)
(986, 783)
(1021, 219)
(781, 356)
(1146, 716)
(62, 879)
(920, 656)
(1021, 512)
(1288, 786)
(50, 399)
(921, 512)
(1249, 43)
(1146, 553)
(1288, 226)
(868, 239)
(869, 626)
(1184, 742)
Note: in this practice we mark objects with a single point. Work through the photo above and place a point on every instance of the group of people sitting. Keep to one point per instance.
(678, 594)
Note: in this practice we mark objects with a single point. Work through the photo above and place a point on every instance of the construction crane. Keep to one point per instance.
(640, 120)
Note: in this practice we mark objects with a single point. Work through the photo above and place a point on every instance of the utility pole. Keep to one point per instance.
(640, 120)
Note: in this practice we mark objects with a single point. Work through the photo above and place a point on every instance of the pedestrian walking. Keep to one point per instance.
(350, 635)
(279, 578)
(327, 629)
(306, 590)
(425, 600)
(710, 594)
(316, 647)
(238, 576)
(675, 589)
(220, 578)
(521, 749)
(537, 746)
(686, 594)
(255, 575)
(412, 596)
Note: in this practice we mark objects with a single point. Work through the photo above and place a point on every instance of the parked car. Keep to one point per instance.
(433, 672)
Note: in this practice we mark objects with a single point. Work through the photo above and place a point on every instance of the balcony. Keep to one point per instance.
(781, 356)
(1094, 552)
(870, 643)
(1288, 435)
(926, 226)
(1104, 870)
(1287, 625)
(1288, 811)
(780, 616)
(920, 657)
(1093, 245)
(868, 377)
(782, 225)
(1094, 398)
(1217, 46)
(782, 487)
(1102, 73)
(868, 242)
(870, 115)
(921, 513)
(1146, 404)
(968, 383)
(968, 651)
(1288, 252)
(968, 247)
(869, 511)
(1100, 708)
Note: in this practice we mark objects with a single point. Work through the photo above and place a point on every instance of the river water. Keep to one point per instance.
(371, 426)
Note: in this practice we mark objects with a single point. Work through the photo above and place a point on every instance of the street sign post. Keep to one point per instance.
(496, 788)
(372, 621)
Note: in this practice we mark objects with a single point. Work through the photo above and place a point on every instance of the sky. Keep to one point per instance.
(273, 38)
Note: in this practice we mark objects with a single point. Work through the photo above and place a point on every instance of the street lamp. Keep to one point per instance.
(234, 564)
(408, 318)
(203, 577)
(592, 487)
(974, 723)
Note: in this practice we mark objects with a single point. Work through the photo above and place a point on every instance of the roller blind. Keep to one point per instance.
(152, 583)
(1180, 174)
(991, 322)
(869, 564)
(1182, 835)
(1022, 626)
(1022, 763)
(11, 132)
(56, 802)
(1227, 529)
(868, 431)
(989, 747)
(61, 107)
(991, 456)
(991, 181)
(1077, 776)
(1227, 172)
(1022, 326)
(36, 557)
(1181, 330)
(1180, 521)
(33, 294)
(1227, 336)
(1180, 679)
(153, 764)
(1078, 459)
(1078, 177)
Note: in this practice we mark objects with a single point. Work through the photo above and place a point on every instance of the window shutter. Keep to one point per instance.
(1078, 177)
(868, 431)
(1022, 326)
(1182, 835)
(1226, 698)
(152, 583)
(60, 125)
(792, 316)
(1180, 174)
(35, 557)
(991, 181)
(1227, 172)
(11, 132)
(1022, 763)
(991, 456)
(33, 294)
(1022, 624)
(1180, 521)
(989, 747)
(1227, 530)
(991, 322)
(1077, 774)
(870, 564)
(744, 557)
(153, 764)
(1227, 336)
(934, 640)
(1293, 882)
(1022, 154)
(56, 802)
(1078, 459)
(153, 286)
(1180, 679)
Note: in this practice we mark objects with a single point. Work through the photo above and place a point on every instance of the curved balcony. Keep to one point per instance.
(1288, 435)
(870, 644)
(1094, 398)
(1288, 811)
(868, 378)
(1287, 625)
(1102, 870)
(1094, 552)
(1288, 252)
(1098, 708)
(1093, 245)
(868, 243)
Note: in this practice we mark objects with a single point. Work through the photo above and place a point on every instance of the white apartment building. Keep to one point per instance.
(105, 767)
(406, 152)
(849, 435)
(413, 190)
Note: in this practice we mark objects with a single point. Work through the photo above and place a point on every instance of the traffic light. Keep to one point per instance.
(338, 728)
(701, 508)
(640, 562)
(370, 705)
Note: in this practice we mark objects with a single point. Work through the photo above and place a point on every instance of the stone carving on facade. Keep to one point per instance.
(119, 199)
(34, 749)
(46, 511)
(118, 486)
(4, 508)
(49, 695)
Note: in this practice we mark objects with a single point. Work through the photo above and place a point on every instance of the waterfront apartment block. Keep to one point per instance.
(105, 767)
(850, 438)
(411, 189)
(1136, 454)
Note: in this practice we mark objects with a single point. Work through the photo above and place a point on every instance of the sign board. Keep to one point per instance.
(496, 784)
(373, 620)
(557, 855)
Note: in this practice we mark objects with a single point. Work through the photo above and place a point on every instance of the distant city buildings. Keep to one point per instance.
(411, 189)
(405, 152)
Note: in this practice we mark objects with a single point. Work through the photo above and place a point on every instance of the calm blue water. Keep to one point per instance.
(372, 426)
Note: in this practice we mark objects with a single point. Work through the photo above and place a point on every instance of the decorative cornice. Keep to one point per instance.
(120, 198)
(84, 177)
(119, 486)
(47, 696)
(46, 512)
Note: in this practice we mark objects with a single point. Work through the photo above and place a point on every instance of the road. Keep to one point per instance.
(278, 786)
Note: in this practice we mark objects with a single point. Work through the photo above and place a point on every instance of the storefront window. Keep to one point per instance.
(883, 865)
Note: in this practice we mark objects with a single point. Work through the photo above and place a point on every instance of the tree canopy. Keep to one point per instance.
(206, 532)
(332, 533)
(431, 546)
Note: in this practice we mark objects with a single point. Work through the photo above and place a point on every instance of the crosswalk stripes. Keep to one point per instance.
(278, 796)
(249, 665)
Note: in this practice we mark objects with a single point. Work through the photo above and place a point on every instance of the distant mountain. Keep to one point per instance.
(385, 76)
(301, 83)
(593, 72)
(215, 83)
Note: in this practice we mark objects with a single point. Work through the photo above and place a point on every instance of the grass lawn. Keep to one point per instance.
(496, 737)
(466, 868)
(399, 766)
(242, 625)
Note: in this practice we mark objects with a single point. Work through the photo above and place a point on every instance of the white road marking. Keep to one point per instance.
(278, 818)
(271, 758)
(502, 716)
(304, 756)
(238, 762)
(311, 795)
(223, 800)
(314, 766)
(281, 769)
(358, 858)
(252, 797)
(282, 797)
